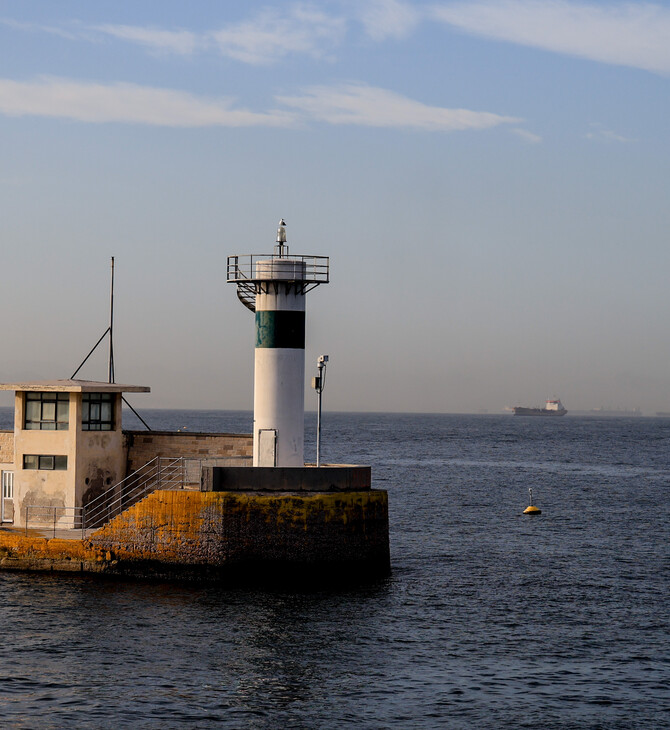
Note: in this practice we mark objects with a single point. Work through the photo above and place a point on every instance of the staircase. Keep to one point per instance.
(159, 473)
(246, 293)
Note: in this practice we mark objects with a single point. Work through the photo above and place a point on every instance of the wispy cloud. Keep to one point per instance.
(268, 36)
(635, 34)
(91, 102)
(388, 18)
(264, 38)
(600, 133)
(625, 34)
(303, 29)
(72, 33)
(355, 104)
(182, 42)
(527, 136)
(373, 107)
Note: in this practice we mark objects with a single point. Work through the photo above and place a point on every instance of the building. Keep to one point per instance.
(68, 449)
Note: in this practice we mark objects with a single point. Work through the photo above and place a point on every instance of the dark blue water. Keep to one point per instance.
(491, 619)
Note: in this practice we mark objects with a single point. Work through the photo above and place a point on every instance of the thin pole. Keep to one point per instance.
(104, 334)
(318, 423)
(148, 427)
(319, 383)
(111, 327)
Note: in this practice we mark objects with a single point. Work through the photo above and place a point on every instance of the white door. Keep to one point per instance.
(267, 447)
(7, 497)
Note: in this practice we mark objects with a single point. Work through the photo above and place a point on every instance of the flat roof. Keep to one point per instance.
(76, 386)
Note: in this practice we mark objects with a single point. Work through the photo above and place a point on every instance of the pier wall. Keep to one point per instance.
(210, 448)
(179, 532)
(223, 535)
(36, 553)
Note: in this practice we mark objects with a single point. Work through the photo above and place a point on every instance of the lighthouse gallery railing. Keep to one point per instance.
(313, 270)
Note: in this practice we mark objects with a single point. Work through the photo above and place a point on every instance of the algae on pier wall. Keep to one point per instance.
(231, 530)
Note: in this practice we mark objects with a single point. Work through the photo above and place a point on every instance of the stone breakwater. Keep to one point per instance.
(213, 535)
(19, 551)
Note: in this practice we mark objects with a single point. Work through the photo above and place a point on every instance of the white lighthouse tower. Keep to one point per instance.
(274, 287)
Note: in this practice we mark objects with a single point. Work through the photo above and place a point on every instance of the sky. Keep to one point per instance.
(490, 180)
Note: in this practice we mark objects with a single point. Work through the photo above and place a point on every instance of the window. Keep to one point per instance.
(47, 411)
(8, 485)
(49, 462)
(97, 411)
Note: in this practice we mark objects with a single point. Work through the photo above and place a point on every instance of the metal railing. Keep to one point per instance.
(309, 269)
(246, 293)
(52, 518)
(159, 473)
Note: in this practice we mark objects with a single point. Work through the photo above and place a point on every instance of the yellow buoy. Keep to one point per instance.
(530, 510)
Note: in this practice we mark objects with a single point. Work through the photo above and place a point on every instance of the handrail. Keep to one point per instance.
(54, 517)
(161, 472)
(242, 267)
(158, 473)
(103, 496)
(246, 293)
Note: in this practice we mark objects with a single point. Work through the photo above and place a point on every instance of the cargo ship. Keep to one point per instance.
(553, 407)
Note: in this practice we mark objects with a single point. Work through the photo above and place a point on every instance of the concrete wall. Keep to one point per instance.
(212, 448)
(191, 532)
(7, 464)
(100, 456)
(35, 486)
(340, 478)
(6, 447)
(96, 461)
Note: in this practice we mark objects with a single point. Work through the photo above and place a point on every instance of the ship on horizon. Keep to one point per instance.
(553, 407)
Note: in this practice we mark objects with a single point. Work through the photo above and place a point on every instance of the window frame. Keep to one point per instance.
(58, 462)
(45, 399)
(7, 485)
(92, 403)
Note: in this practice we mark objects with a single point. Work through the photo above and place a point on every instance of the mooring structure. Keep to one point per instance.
(274, 286)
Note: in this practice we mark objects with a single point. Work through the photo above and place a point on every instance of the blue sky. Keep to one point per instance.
(490, 180)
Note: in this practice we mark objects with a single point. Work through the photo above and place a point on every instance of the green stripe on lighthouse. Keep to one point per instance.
(284, 329)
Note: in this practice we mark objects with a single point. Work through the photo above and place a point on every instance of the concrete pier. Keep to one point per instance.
(223, 536)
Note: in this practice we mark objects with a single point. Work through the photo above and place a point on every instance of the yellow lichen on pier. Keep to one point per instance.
(187, 530)
(32, 552)
(217, 528)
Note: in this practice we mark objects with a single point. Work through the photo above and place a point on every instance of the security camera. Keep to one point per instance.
(322, 359)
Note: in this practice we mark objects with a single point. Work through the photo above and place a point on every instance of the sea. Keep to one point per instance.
(490, 618)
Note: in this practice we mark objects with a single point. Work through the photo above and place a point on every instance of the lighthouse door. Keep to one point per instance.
(267, 447)
(7, 497)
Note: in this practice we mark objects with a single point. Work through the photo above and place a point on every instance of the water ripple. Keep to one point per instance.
(490, 618)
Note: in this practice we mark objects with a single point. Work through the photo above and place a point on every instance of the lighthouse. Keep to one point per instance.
(274, 286)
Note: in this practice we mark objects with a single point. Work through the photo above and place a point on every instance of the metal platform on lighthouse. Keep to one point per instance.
(262, 273)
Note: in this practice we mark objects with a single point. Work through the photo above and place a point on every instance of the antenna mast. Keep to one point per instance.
(111, 328)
